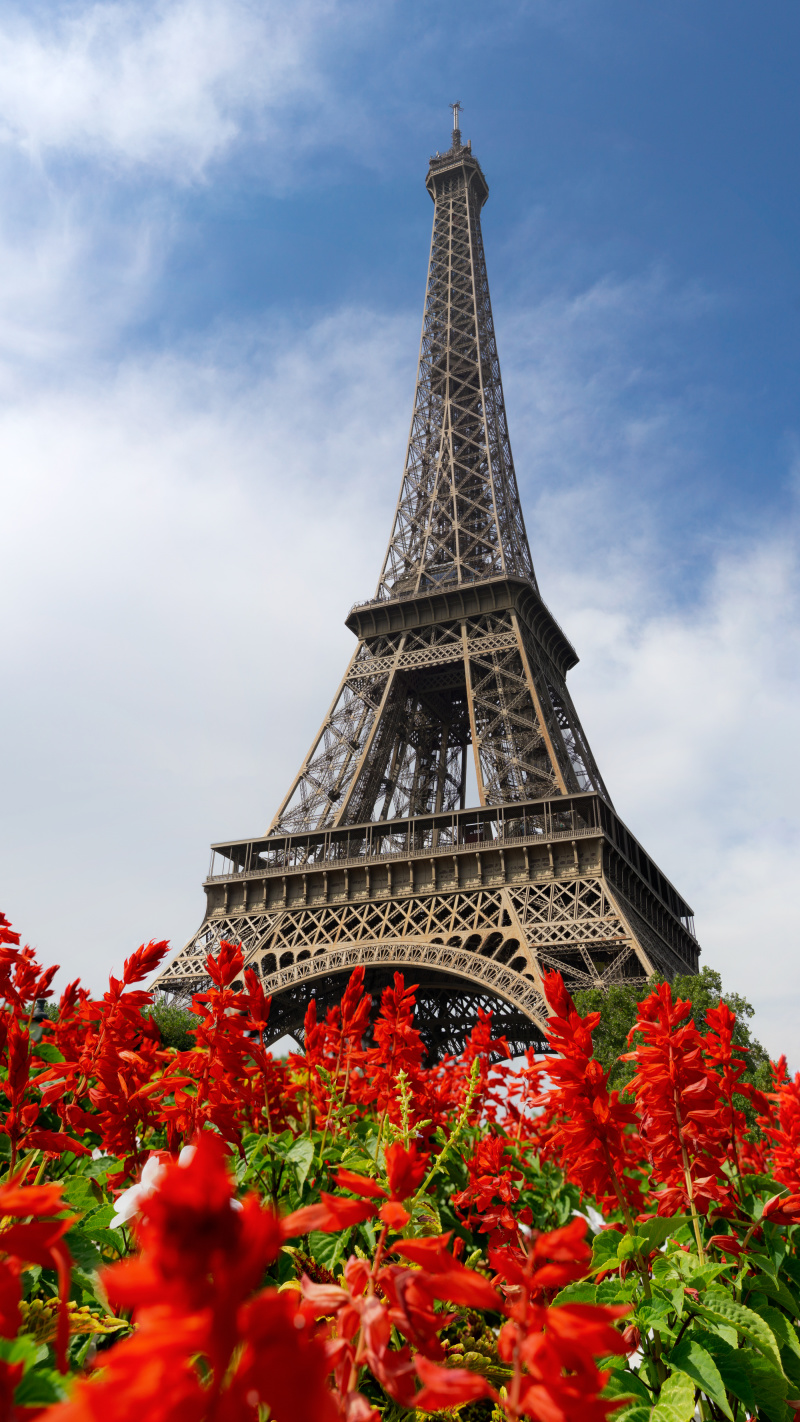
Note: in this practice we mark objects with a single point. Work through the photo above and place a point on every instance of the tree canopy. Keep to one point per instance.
(617, 1006)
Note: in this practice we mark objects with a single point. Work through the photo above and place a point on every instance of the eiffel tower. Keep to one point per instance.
(374, 857)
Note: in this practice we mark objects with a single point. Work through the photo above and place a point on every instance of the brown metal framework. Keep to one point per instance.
(373, 857)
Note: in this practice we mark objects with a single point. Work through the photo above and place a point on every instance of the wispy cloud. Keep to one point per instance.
(692, 713)
(182, 539)
(609, 422)
(167, 84)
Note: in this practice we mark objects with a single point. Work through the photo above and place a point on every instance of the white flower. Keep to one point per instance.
(129, 1203)
(593, 1218)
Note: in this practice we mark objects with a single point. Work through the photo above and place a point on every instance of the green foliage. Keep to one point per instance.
(174, 1023)
(618, 1010)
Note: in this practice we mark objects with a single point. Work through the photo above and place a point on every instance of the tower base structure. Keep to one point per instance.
(471, 905)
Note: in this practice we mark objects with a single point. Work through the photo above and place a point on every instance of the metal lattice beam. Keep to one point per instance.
(457, 657)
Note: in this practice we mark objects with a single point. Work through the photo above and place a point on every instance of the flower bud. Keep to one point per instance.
(631, 1337)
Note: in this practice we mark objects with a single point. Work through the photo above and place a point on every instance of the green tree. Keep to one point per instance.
(175, 1024)
(618, 1011)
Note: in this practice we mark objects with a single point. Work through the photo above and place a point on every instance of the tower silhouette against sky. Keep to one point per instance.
(374, 857)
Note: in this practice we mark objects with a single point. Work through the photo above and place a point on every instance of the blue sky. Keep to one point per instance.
(213, 241)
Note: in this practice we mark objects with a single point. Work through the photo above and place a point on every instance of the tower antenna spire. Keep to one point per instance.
(456, 107)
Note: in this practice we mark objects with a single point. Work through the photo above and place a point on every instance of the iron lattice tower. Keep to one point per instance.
(373, 857)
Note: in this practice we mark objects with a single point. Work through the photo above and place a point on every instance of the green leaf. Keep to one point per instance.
(613, 1291)
(581, 1292)
(278, 1146)
(774, 1288)
(622, 1383)
(770, 1387)
(327, 1249)
(676, 1403)
(23, 1349)
(37, 1389)
(98, 1220)
(732, 1364)
(425, 1218)
(719, 1308)
(78, 1190)
(782, 1328)
(654, 1313)
(759, 1182)
(604, 1249)
(654, 1232)
(693, 1360)
(362, 1164)
(697, 1275)
(639, 1412)
(107, 1239)
(301, 1156)
(91, 1286)
(48, 1052)
(629, 1245)
(83, 1250)
(748, 1375)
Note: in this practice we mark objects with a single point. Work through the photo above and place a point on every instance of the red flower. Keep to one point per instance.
(447, 1387)
(782, 1210)
(283, 1368)
(631, 1337)
(331, 1214)
(150, 1375)
(678, 1097)
(553, 1349)
(360, 1185)
(10, 1376)
(395, 1215)
(10, 1295)
(397, 1046)
(6, 933)
(729, 1063)
(491, 1191)
(40, 1242)
(727, 1243)
(780, 1123)
(228, 963)
(591, 1133)
(406, 1169)
(448, 1279)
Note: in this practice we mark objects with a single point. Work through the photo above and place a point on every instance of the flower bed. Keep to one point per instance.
(211, 1233)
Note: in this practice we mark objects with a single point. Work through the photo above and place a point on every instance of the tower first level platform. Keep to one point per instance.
(473, 905)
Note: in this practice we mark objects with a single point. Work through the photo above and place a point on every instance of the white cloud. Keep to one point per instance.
(693, 715)
(69, 288)
(182, 542)
(169, 84)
